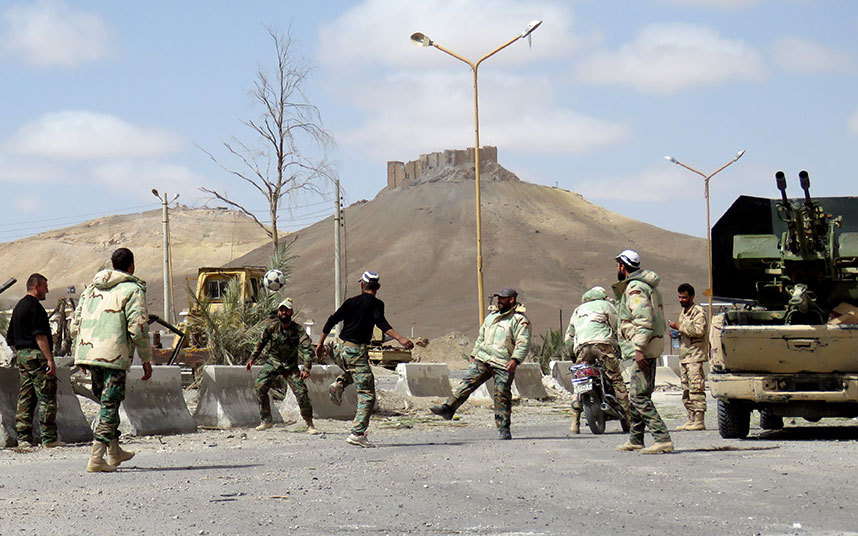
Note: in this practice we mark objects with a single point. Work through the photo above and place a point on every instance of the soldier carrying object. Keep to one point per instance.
(30, 337)
(109, 324)
(358, 314)
(502, 344)
(285, 340)
(641, 336)
(592, 335)
(693, 352)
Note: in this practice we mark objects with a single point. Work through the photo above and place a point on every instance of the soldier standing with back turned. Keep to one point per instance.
(641, 336)
(693, 352)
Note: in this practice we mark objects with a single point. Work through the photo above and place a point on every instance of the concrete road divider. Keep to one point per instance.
(72, 426)
(320, 379)
(665, 377)
(156, 406)
(560, 373)
(228, 398)
(528, 381)
(423, 379)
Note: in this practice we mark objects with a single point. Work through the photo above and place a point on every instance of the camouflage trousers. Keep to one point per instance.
(693, 386)
(36, 388)
(478, 373)
(354, 360)
(605, 353)
(108, 386)
(642, 413)
(268, 375)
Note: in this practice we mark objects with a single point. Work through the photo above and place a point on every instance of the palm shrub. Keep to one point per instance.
(551, 348)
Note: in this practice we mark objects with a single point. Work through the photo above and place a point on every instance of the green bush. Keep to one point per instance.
(551, 348)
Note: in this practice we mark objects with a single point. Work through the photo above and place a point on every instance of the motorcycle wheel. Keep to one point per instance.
(594, 414)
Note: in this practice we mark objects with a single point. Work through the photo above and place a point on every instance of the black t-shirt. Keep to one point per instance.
(358, 315)
(29, 319)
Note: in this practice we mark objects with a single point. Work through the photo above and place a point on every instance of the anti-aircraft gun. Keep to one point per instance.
(792, 349)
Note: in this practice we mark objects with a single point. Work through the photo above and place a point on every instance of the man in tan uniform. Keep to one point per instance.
(693, 352)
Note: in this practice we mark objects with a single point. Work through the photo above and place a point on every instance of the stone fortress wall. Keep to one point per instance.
(427, 165)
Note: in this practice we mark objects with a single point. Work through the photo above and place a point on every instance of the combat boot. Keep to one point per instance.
(335, 393)
(629, 446)
(576, 423)
(311, 430)
(688, 421)
(661, 447)
(697, 423)
(115, 453)
(444, 411)
(96, 459)
(264, 425)
(504, 434)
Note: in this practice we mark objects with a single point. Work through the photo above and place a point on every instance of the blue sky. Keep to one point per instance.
(103, 101)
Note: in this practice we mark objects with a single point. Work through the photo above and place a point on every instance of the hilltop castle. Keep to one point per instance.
(450, 164)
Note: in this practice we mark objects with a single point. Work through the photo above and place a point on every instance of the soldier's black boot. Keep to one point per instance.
(444, 411)
(504, 434)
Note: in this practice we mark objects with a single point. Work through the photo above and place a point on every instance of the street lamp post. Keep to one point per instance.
(706, 178)
(423, 40)
(168, 274)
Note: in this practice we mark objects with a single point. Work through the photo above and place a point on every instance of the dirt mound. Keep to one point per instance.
(454, 349)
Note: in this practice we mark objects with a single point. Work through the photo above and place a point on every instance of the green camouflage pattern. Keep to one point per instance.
(643, 413)
(693, 335)
(477, 374)
(108, 386)
(36, 388)
(284, 345)
(503, 336)
(111, 321)
(354, 360)
(693, 386)
(607, 354)
(268, 375)
(592, 322)
(640, 312)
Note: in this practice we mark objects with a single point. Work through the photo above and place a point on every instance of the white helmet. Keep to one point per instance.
(630, 258)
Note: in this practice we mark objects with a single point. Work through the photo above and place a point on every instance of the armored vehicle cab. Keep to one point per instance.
(789, 349)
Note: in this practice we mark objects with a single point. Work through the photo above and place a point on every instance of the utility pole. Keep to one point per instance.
(338, 298)
(168, 276)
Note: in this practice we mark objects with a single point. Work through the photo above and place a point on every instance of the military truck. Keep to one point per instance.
(386, 355)
(789, 348)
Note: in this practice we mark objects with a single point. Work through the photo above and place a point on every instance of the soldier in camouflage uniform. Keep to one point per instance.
(502, 344)
(359, 314)
(285, 340)
(592, 335)
(641, 336)
(693, 352)
(109, 324)
(30, 336)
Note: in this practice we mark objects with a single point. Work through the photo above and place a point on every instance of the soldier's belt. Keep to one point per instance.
(351, 344)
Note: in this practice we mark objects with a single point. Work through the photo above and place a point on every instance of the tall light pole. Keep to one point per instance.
(706, 178)
(168, 287)
(422, 40)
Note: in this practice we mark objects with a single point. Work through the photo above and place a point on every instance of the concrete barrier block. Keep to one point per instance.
(528, 381)
(423, 379)
(321, 377)
(156, 406)
(8, 405)
(671, 361)
(665, 377)
(227, 398)
(560, 373)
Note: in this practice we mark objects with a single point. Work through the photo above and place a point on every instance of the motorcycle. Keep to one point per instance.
(597, 397)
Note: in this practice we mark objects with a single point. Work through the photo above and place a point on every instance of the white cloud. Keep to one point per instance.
(28, 171)
(81, 134)
(50, 33)
(28, 204)
(853, 123)
(669, 57)
(138, 178)
(724, 4)
(804, 56)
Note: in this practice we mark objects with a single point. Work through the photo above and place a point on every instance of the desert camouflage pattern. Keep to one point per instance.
(354, 360)
(693, 335)
(642, 413)
(268, 375)
(607, 354)
(477, 374)
(36, 388)
(640, 311)
(592, 322)
(503, 336)
(285, 344)
(693, 386)
(108, 386)
(716, 352)
(111, 321)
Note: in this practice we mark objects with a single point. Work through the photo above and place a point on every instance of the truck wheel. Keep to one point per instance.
(769, 421)
(734, 419)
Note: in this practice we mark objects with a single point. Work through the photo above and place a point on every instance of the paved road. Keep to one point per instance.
(443, 478)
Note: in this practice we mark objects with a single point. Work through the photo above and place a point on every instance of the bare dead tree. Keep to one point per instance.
(288, 132)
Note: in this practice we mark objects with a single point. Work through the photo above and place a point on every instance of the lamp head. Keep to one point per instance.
(739, 155)
(530, 27)
(671, 159)
(421, 40)
(155, 193)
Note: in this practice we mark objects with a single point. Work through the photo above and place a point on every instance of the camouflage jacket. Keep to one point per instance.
(503, 336)
(694, 344)
(111, 321)
(592, 322)
(640, 313)
(284, 345)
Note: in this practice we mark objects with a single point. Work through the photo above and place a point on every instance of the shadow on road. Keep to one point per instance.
(191, 467)
(810, 433)
(427, 444)
(725, 448)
